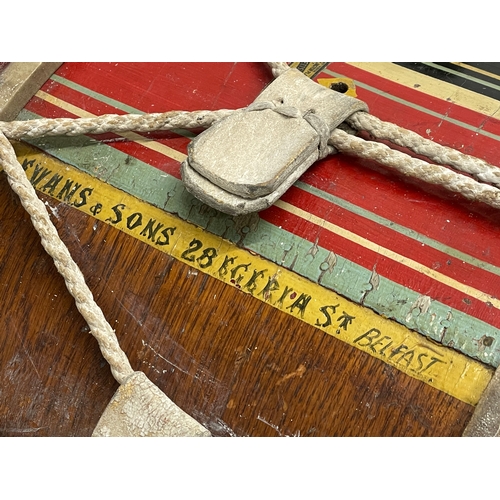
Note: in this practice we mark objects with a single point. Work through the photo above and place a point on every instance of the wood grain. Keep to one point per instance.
(239, 366)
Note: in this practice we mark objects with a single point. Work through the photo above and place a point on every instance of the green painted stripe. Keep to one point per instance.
(410, 233)
(439, 322)
(96, 95)
(418, 107)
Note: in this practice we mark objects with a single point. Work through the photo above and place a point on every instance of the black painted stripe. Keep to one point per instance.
(490, 67)
(441, 73)
(492, 81)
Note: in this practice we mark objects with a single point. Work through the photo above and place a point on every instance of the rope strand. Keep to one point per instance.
(347, 143)
(73, 277)
(111, 123)
(278, 68)
(339, 139)
(479, 169)
(413, 167)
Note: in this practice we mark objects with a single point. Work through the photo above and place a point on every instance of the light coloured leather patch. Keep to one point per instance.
(140, 409)
(243, 163)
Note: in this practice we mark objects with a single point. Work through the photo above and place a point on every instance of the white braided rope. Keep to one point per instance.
(413, 167)
(73, 277)
(278, 68)
(479, 169)
(342, 141)
(112, 123)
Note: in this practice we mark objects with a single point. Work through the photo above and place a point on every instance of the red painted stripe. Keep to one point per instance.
(345, 177)
(392, 240)
(158, 87)
(471, 228)
(414, 96)
(154, 158)
(386, 199)
(398, 191)
(444, 132)
(466, 219)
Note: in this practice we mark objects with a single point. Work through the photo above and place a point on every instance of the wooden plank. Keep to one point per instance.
(239, 366)
(18, 84)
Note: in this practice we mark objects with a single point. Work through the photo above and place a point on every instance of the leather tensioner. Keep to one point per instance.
(243, 163)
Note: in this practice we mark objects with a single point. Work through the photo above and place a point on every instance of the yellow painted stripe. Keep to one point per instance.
(171, 153)
(477, 70)
(132, 136)
(351, 87)
(396, 345)
(436, 88)
(396, 257)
